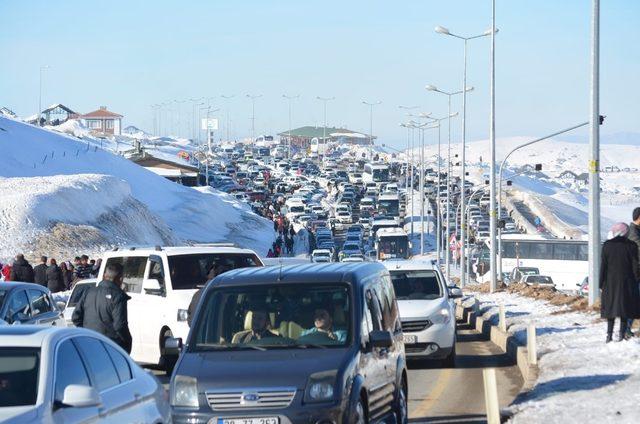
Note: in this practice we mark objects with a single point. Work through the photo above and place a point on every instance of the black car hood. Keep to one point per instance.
(251, 368)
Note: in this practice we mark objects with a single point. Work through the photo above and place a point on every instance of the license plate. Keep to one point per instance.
(407, 339)
(251, 420)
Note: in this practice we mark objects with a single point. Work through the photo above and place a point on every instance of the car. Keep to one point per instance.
(321, 255)
(28, 303)
(73, 375)
(518, 272)
(427, 312)
(538, 280)
(510, 226)
(161, 282)
(353, 258)
(76, 293)
(344, 217)
(330, 348)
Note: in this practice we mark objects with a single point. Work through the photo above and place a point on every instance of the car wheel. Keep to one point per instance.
(401, 409)
(450, 361)
(167, 362)
(359, 413)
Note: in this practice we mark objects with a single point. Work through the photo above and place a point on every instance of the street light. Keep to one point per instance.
(289, 98)
(42, 68)
(445, 31)
(324, 129)
(227, 98)
(371, 105)
(406, 176)
(253, 115)
(449, 94)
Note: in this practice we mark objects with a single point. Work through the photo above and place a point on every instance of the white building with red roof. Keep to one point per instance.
(103, 121)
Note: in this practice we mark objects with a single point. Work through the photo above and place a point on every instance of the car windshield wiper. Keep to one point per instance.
(308, 345)
(230, 347)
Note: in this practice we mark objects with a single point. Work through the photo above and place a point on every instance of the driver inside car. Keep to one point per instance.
(323, 325)
(259, 328)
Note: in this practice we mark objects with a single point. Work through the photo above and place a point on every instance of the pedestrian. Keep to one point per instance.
(66, 269)
(270, 254)
(619, 276)
(96, 268)
(83, 269)
(6, 272)
(40, 272)
(103, 308)
(275, 225)
(289, 244)
(292, 231)
(634, 236)
(55, 282)
(21, 270)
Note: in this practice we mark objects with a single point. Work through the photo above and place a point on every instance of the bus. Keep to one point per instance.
(392, 243)
(376, 173)
(318, 146)
(381, 221)
(389, 205)
(565, 261)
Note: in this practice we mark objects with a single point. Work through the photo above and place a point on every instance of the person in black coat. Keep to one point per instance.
(55, 282)
(21, 270)
(619, 277)
(40, 272)
(103, 308)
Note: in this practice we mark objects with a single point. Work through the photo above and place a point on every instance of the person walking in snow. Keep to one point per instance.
(634, 236)
(55, 281)
(40, 272)
(619, 276)
(21, 270)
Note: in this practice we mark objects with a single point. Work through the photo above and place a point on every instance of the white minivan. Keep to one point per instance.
(161, 282)
(427, 313)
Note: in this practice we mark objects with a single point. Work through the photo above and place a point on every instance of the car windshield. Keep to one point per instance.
(539, 279)
(77, 292)
(416, 285)
(274, 316)
(191, 271)
(19, 369)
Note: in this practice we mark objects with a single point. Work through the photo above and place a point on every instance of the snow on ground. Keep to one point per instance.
(190, 215)
(578, 371)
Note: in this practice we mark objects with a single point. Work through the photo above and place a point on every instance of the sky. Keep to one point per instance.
(129, 55)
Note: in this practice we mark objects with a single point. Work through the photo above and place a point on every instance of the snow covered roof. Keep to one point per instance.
(101, 113)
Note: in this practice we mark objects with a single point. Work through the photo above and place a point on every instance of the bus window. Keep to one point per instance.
(509, 249)
(540, 251)
(565, 251)
(583, 252)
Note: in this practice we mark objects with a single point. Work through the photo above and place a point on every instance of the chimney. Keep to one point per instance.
(103, 108)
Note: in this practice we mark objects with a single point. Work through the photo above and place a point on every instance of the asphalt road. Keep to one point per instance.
(455, 395)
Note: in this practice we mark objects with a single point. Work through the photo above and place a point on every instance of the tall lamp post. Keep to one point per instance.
(371, 105)
(324, 128)
(449, 94)
(445, 31)
(42, 68)
(253, 115)
(289, 98)
(406, 175)
(227, 98)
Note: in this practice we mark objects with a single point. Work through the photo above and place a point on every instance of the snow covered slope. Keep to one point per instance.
(190, 215)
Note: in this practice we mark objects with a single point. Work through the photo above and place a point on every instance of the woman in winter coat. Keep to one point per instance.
(55, 282)
(619, 278)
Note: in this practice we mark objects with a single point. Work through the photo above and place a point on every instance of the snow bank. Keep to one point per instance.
(191, 216)
(581, 379)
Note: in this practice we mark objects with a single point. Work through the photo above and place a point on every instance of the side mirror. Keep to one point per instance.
(152, 286)
(77, 395)
(455, 292)
(379, 338)
(173, 346)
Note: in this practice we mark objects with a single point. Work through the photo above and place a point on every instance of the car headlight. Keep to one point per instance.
(183, 314)
(184, 392)
(321, 386)
(442, 317)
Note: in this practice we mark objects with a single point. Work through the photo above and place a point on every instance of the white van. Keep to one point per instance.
(161, 282)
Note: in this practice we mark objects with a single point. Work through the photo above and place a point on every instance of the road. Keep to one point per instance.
(438, 395)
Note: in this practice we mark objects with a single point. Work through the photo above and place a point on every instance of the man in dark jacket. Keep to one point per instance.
(21, 270)
(83, 270)
(634, 229)
(40, 272)
(55, 282)
(103, 308)
(619, 276)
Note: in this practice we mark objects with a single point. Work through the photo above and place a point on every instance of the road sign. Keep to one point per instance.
(209, 124)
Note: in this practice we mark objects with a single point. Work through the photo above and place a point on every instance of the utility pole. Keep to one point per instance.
(324, 129)
(227, 98)
(253, 115)
(371, 105)
(289, 98)
(493, 228)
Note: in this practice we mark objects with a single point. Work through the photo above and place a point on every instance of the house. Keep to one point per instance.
(55, 114)
(175, 169)
(103, 122)
(571, 178)
(301, 137)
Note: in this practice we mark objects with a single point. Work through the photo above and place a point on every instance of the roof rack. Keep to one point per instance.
(227, 244)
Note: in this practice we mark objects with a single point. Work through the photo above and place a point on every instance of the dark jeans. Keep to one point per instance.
(623, 326)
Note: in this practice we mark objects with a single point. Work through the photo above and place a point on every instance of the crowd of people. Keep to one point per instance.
(48, 273)
(620, 277)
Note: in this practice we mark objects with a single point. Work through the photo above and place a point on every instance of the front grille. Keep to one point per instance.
(245, 399)
(415, 326)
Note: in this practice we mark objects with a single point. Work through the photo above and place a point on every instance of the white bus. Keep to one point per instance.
(565, 261)
(389, 204)
(392, 243)
(318, 146)
(376, 173)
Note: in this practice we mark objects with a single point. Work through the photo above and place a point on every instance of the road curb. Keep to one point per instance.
(506, 342)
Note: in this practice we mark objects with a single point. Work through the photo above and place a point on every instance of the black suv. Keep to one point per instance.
(293, 344)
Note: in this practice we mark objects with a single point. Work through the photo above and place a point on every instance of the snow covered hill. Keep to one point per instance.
(132, 206)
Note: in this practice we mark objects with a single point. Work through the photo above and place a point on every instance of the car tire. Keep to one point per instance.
(167, 363)
(401, 408)
(450, 360)
(359, 414)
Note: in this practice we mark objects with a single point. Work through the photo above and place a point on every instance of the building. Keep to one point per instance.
(301, 137)
(103, 122)
(55, 114)
(174, 169)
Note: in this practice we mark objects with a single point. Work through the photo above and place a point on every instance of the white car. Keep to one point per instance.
(427, 313)
(78, 289)
(321, 255)
(343, 217)
(161, 283)
(72, 375)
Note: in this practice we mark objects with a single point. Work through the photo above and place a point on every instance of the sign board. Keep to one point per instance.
(209, 124)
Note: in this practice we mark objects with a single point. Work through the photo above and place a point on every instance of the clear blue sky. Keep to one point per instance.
(131, 54)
